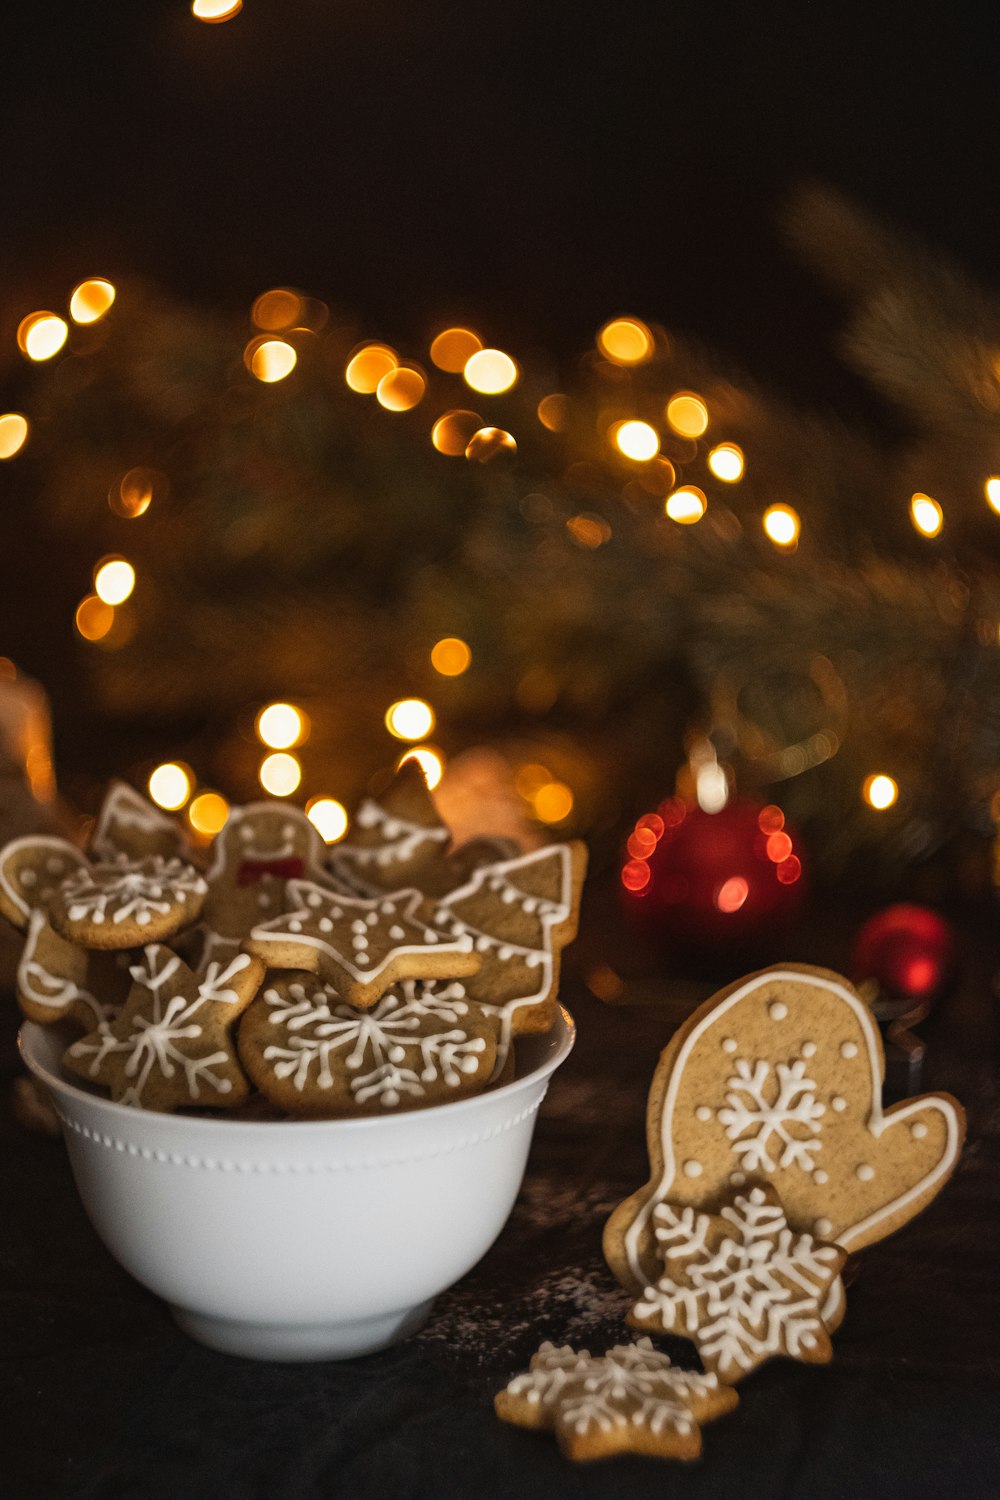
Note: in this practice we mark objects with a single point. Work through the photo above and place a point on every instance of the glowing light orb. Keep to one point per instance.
(880, 791)
(553, 802)
(726, 462)
(636, 875)
(277, 309)
(409, 719)
(687, 414)
(731, 894)
(281, 725)
(490, 372)
(781, 525)
(625, 341)
(14, 431)
(132, 496)
(992, 488)
(280, 773)
(91, 299)
(431, 762)
(452, 432)
(686, 505)
(208, 813)
(215, 11)
(637, 440)
(270, 360)
(368, 365)
(114, 580)
(170, 785)
(94, 618)
(453, 348)
(926, 515)
(553, 412)
(400, 389)
(328, 817)
(490, 443)
(41, 335)
(451, 656)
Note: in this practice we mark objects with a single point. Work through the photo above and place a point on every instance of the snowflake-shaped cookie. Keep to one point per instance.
(361, 948)
(124, 902)
(742, 1285)
(631, 1400)
(310, 1053)
(172, 1043)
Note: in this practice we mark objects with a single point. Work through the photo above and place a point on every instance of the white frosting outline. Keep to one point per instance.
(36, 841)
(137, 812)
(31, 973)
(222, 865)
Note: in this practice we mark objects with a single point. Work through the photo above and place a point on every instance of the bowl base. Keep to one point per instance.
(299, 1342)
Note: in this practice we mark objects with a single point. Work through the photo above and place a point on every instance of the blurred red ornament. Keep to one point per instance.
(908, 950)
(729, 877)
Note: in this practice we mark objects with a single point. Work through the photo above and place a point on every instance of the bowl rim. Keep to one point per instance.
(564, 1025)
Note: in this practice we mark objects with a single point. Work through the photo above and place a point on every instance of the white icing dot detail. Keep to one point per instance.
(325, 925)
(822, 1226)
(838, 1103)
(808, 1049)
(737, 1179)
(396, 933)
(864, 1173)
(778, 1010)
(692, 1169)
(848, 1049)
(918, 1130)
(703, 1112)
(295, 925)
(820, 1177)
(729, 1044)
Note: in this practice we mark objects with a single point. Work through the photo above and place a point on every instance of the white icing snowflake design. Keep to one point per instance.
(130, 891)
(152, 1042)
(769, 1108)
(407, 1041)
(743, 1285)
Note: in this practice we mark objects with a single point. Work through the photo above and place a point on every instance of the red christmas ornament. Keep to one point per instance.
(908, 950)
(725, 877)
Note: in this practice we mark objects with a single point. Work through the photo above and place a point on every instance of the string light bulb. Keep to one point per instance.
(686, 505)
(451, 656)
(992, 488)
(91, 299)
(208, 813)
(93, 618)
(281, 725)
(687, 414)
(880, 791)
(552, 802)
(409, 719)
(490, 372)
(215, 11)
(400, 389)
(625, 341)
(280, 773)
(114, 580)
(782, 526)
(926, 514)
(430, 761)
(13, 433)
(452, 349)
(170, 785)
(41, 335)
(328, 817)
(367, 366)
(637, 440)
(270, 360)
(726, 462)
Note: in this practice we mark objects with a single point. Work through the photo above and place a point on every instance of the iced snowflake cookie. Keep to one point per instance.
(361, 948)
(393, 838)
(741, 1285)
(778, 1080)
(311, 1054)
(123, 903)
(633, 1400)
(172, 1044)
(129, 824)
(31, 871)
(57, 979)
(519, 915)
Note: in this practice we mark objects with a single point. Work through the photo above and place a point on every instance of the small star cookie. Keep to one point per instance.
(633, 1400)
(123, 903)
(360, 947)
(172, 1043)
(741, 1285)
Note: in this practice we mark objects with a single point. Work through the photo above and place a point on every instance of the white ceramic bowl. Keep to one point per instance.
(299, 1240)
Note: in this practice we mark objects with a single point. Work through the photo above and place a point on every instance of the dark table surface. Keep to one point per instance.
(102, 1396)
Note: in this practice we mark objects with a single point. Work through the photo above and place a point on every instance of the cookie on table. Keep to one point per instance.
(129, 824)
(59, 980)
(519, 914)
(31, 870)
(777, 1081)
(172, 1045)
(631, 1400)
(741, 1284)
(360, 947)
(311, 1054)
(125, 903)
(394, 839)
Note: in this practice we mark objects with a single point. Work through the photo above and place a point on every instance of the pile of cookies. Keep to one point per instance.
(772, 1158)
(280, 977)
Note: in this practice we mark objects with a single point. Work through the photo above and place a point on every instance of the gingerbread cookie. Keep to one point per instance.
(633, 1400)
(129, 824)
(741, 1285)
(31, 871)
(123, 903)
(360, 947)
(172, 1044)
(519, 915)
(57, 979)
(777, 1080)
(394, 838)
(311, 1054)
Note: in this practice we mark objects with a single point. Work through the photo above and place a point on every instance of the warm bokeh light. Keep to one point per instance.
(588, 530)
(170, 785)
(452, 432)
(215, 11)
(132, 496)
(992, 488)
(400, 389)
(790, 870)
(530, 777)
(208, 813)
(431, 762)
(552, 802)
(94, 618)
(490, 443)
(625, 341)
(731, 894)
(553, 412)
(114, 580)
(636, 875)
(637, 440)
(880, 791)
(770, 819)
(781, 524)
(687, 414)
(91, 299)
(368, 365)
(410, 719)
(277, 309)
(453, 348)
(13, 433)
(280, 773)
(328, 817)
(490, 372)
(41, 335)
(926, 515)
(686, 505)
(778, 846)
(281, 725)
(451, 656)
(726, 462)
(270, 360)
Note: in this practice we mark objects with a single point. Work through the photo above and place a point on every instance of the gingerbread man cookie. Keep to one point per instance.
(777, 1081)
